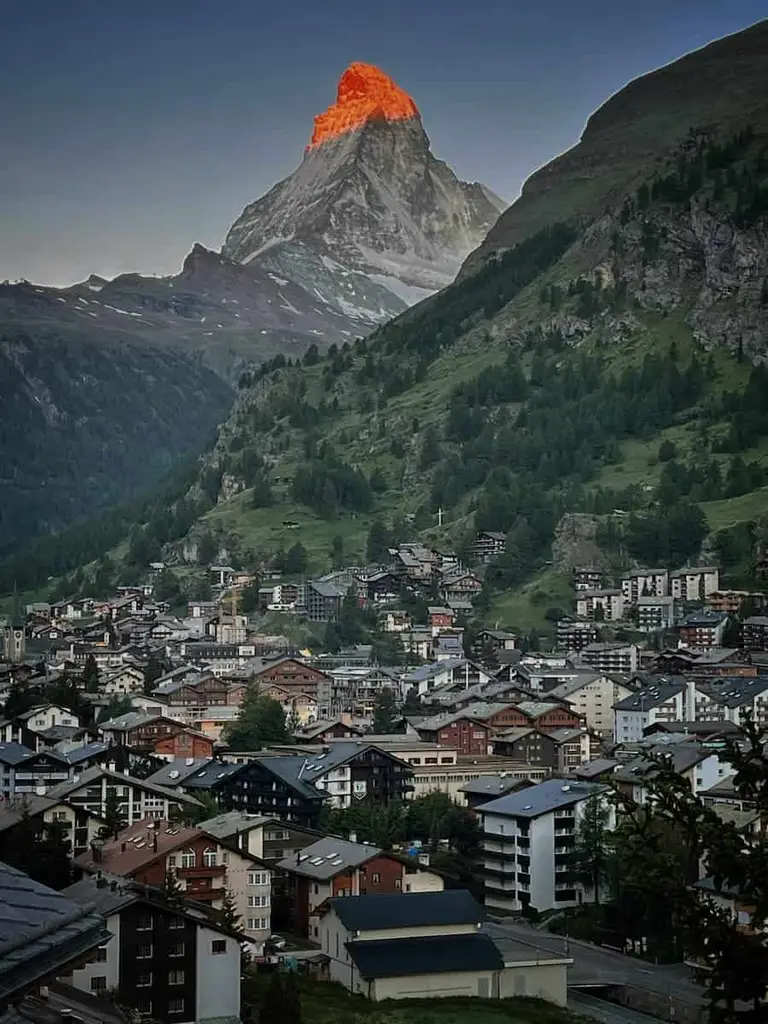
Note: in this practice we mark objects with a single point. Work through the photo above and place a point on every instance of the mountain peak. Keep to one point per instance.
(365, 93)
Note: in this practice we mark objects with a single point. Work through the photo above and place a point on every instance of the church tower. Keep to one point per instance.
(14, 634)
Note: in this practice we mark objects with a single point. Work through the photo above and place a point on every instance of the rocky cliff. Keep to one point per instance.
(369, 198)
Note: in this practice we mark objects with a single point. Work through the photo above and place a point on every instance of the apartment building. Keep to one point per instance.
(754, 633)
(610, 603)
(528, 842)
(694, 584)
(611, 657)
(655, 613)
(703, 629)
(645, 583)
(662, 701)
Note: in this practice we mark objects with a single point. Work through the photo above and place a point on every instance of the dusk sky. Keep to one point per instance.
(130, 131)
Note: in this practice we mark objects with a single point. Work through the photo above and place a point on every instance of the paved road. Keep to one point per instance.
(594, 965)
(606, 1013)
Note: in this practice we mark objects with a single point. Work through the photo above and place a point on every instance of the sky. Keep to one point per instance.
(129, 131)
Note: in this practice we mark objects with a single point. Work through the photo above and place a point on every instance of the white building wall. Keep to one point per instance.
(218, 980)
(109, 968)
(251, 888)
(431, 986)
(542, 851)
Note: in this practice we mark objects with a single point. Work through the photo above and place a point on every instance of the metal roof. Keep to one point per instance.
(434, 954)
(328, 857)
(40, 931)
(407, 910)
(542, 798)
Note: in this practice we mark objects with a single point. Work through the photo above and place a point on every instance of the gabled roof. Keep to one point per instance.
(130, 720)
(328, 857)
(78, 754)
(41, 931)
(407, 910)
(542, 798)
(682, 757)
(12, 753)
(177, 771)
(434, 954)
(135, 847)
(233, 823)
(494, 785)
(211, 775)
(650, 697)
(97, 771)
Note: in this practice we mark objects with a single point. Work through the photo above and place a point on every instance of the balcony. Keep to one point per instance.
(202, 872)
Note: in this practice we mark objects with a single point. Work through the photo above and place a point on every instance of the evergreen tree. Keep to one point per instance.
(113, 817)
(384, 713)
(591, 856)
(249, 597)
(292, 999)
(296, 560)
(227, 916)
(261, 721)
(378, 542)
(172, 889)
(337, 551)
(152, 672)
(90, 674)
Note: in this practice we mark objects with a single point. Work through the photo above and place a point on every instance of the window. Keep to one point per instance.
(258, 878)
(278, 854)
(144, 923)
(144, 952)
(258, 901)
(175, 977)
(101, 954)
(145, 1007)
(176, 922)
(176, 1005)
(177, 949)
(376, 877)
(210, 858)
(398, 883)
(172, 860)
(218, 946)
(144, 980)
(99, 983)
(188, 859)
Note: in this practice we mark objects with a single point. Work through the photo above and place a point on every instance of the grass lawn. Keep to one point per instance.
(326, 1003)
(721, 514)
(523, 609)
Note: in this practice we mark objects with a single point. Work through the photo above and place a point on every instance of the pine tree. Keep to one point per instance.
(113, 818)
(90, 674)
(227, 916)
(591, 855)
(384, 712)
(172, 889)
(273, 1005)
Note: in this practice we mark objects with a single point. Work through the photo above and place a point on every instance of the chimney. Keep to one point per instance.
(353, 837)
(123, 847)
(97, 846)
(154, 843)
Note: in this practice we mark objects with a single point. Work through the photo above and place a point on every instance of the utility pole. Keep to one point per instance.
(440, 517)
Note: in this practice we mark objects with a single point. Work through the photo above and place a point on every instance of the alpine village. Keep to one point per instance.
(424, 677)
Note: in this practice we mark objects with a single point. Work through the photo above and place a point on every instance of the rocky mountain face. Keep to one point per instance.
(715, 90)
(369, 201)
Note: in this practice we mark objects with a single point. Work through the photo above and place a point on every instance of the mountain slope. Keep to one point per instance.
(89, 419)
(513, 396)
(368, 198)
(719, 87)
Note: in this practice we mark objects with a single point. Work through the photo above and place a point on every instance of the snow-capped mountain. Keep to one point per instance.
(370, 221)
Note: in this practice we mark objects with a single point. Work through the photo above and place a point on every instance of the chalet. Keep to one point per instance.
(459, 584)
(127, 679)
(25, 772)
(206, 867)
(414, 562)
(488, 545)
(140, 730)
(76, 825)
(186, 743)
(439, 617)
(459, 731)
(138, 798)
(754, 633)
(494, 640)
(168, 959)
(300, 708)
(523, 743)
(288, 673)
(381, 587)
(332, 867)
(328, 729)
(204, 689)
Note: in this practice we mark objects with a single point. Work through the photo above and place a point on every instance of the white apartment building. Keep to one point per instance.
(694, 584)
(728, 700)
(645, 583)
(611, 657)
(528, 842)
(593, 699)
(663, 701)
(611, 602)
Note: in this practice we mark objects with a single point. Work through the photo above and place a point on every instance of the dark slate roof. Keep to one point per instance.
(79, 754)
(542, 798)
(98, 771)
(649, 697)
(40, 931)
(494, 785)
(177, 771)
(328, 857)
(12, 753)
(438, 954)
(211, 775)
(407, 910)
